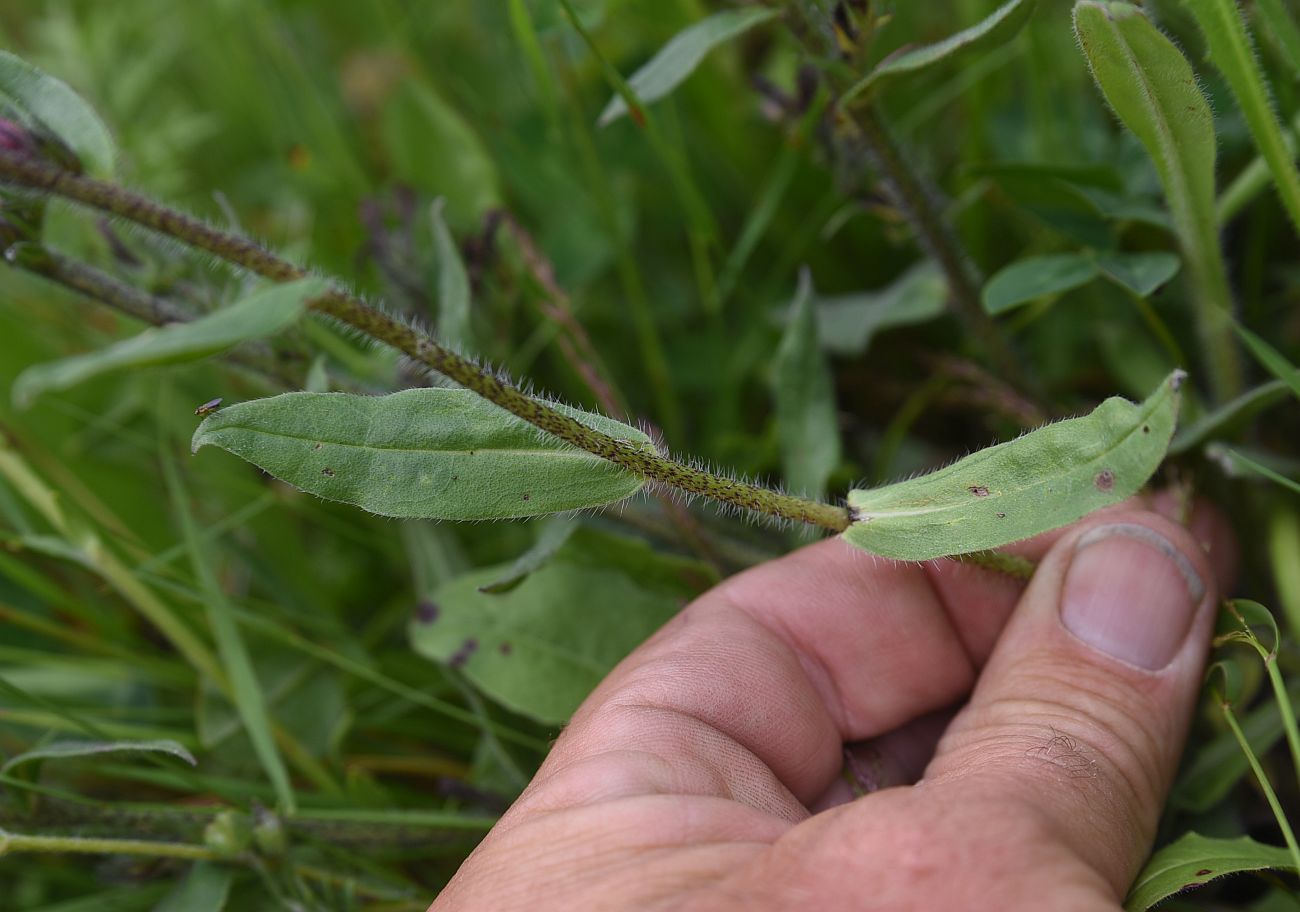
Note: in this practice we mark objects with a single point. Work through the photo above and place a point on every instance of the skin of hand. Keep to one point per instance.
(1017, 742)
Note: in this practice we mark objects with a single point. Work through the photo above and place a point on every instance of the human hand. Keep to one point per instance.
(705, 771)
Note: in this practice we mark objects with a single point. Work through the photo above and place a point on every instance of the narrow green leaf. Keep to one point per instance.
(804, 390)
(540, 648)
(1141, 273)
(846, 324)
(1037, 277)
(1271, 359)
(1281, 27)
(1153, 90)
(1231, 51)
(551, 536)
(265, 313)
(1228, 416)
(245, 689)
(205, 889)
(994, 30)
(1194, 860)
(683, 53)
(60, 110)
(62, 749)
(1234, 462)
(318, 376)
(1044, 480)
(421, 454)
(453, 285)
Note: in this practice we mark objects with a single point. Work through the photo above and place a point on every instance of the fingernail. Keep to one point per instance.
(1131, 594)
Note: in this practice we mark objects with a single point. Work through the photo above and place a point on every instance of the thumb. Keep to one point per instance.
(1079, 717)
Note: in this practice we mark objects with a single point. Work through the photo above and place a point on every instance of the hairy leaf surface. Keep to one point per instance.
(1044, 480)
(421, 454)
(1194, 860)
(59, 109)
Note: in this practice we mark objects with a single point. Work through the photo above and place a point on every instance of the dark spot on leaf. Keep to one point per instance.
(1190, 886)
(1203, 872)
(461, 655)
(455, 478)
(1001, 515)
(505, 648)
(471, 452)
(1105, 480)
(528, 497)
(426, 612)
(327, 472)
(317, 446)
(979, 490)
(1146, 429)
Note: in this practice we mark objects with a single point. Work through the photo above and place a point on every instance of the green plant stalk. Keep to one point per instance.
(1278, 813)
(17, 842)
(1230, 49)
(349, 309)
(917, 204)
(1013, 565)
(1281, 26)
(1251, 181)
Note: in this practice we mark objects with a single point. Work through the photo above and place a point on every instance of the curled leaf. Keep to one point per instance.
(1044, 480)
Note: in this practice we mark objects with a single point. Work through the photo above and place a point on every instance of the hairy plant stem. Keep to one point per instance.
(349, 309)
(18, 842)
(919, 206)
(1013, 565)
(102, 287)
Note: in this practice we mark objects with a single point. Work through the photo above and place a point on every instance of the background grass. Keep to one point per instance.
(327, 129)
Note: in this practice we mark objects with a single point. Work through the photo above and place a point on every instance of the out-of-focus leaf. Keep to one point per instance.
(540, 648)
(421, 454)
(1232, 51)
(59, 109)
(1271, 359)
(805, 401)
(551, 536)
(1194, 860)
(683, 53)
(62, 749)
(1219, 765)
(261, 314)
(1141, 273)
(453, 285)
(1046, 479)
(1037, 277)
(1237, 464)
(1228, 416)
(245, 689)
(1280, 26)
(996, 29)
(318, 377)
(205, 889)
(846, 324)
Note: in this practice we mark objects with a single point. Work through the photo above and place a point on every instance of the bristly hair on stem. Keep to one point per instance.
(351, 310)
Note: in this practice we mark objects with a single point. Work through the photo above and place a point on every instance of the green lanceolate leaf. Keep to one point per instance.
(1280, 26)
(805, 401)
(265, 313)
(1153, 90)
(1232, 52)
(64, 749)
(453, 285)
(421, 454)
(1195, 860)
(205, 889)
(551, 536)
(1141, 273)
(846, 324)
(1271, 360)
(1037, 277)
(1044, 480)
(60, 110)
(996, 29)
(540, 648)
(1228, 417)
(679, 58)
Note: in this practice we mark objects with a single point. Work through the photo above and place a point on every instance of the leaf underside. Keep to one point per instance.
(1042, 481)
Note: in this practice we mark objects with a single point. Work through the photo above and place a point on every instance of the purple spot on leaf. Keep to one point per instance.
(426, 612)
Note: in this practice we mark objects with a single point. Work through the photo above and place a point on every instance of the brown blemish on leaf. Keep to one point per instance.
(1105, 480)
(327, 472)
(528, 497)
(426, 612)
(1146, 429)
(505, 648)
(318, 446)
(461, 655)
(1001, 515)
(1203, 872)
(979, 490)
